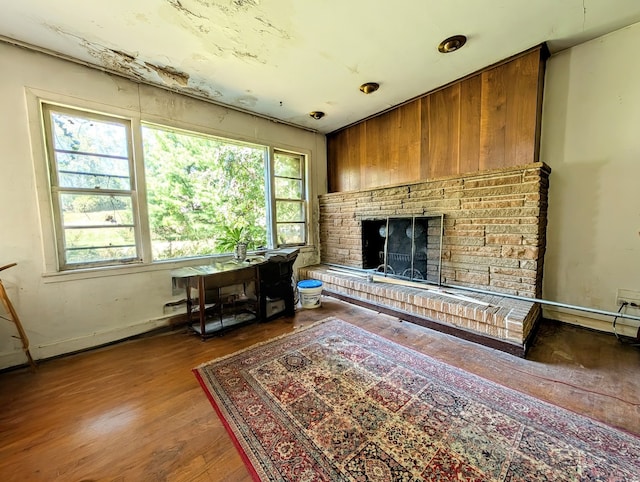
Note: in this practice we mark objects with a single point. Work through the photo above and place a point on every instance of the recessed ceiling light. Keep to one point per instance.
(369, 87)
(316, 114)
(452, 44)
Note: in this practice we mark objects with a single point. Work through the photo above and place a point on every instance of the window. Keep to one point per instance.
(92, 188)
(198, 189)
(197, 193)
(288, 173)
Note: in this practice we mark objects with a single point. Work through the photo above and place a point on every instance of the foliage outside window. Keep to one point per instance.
(199, 190)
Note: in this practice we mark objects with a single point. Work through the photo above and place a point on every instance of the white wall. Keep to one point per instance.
(64, 313)
(591, 140)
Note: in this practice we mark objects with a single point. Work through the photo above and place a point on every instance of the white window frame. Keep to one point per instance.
(56, 190)
(303, 200)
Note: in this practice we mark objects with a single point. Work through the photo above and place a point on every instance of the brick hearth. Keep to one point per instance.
(505, 324)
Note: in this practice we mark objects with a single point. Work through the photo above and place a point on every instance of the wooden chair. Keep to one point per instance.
(14, 317)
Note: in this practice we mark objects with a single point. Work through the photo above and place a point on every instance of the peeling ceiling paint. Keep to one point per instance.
(283, 58)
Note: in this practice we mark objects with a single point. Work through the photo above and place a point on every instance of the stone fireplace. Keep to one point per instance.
(492, 237)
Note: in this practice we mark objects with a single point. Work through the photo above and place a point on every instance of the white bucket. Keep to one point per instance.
(310, 291)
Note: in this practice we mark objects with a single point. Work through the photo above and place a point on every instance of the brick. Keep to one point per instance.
(511, 213)
(491, 221)
(491, 204)
(484, 260)
(445, 184)
(512, 229)
(399, 192)
(520, 252)
(463, 241)
(494, 181)
(490, 251)
(526, 188)
(527, 273)
(426, 193)
(511, 285)
(467, 230)
(504, 239)
(472, 277)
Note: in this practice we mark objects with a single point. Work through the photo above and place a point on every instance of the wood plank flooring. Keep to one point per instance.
(134, 411)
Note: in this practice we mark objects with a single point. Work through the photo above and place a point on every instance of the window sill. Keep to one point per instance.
(131, 269)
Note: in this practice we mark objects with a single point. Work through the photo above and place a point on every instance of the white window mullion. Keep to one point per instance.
(271, 200)
(144, 234)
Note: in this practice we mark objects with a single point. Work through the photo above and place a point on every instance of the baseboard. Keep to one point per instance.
(624, 327)
(13, 359)
(81, 343)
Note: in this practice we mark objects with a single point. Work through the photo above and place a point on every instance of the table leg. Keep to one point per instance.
(201, 305)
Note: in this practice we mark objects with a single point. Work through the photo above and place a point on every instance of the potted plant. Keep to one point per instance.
(234, 239)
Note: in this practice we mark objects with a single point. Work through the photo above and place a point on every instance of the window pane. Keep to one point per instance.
(287, 165)
(96, 255)
(288, 188)
(99, 244)
(99, 237)
(196, 187)
(95, 210)
(91, 172)
(290, 233)
(289, 211)
(75, 133)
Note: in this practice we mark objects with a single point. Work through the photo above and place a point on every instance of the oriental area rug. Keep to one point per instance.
(333, 402)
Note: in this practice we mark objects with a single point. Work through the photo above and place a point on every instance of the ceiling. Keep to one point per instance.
(283, 59)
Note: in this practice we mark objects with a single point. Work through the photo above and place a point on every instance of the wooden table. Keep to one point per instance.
(210, 279)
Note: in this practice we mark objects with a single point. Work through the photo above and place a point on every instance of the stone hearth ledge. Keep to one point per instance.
(506, 324)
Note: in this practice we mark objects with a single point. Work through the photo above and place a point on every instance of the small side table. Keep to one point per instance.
(209, 280)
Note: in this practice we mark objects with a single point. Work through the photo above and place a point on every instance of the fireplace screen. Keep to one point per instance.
(409, 247)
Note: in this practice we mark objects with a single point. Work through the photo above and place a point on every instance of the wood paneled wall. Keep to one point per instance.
(486, 121)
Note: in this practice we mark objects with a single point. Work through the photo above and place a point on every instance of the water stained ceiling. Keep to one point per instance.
(285, 58)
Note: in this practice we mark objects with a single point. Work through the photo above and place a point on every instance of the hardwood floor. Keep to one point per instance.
(134, 411)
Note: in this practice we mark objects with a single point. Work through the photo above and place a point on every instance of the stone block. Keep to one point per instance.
(504, 239)
(525, 188)
(520, 252)
(472, 277)
(497, 180)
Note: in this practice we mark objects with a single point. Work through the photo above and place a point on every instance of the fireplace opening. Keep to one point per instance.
(406, 247)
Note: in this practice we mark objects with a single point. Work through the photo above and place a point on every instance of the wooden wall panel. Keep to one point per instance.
(407, 165)
(493, 119)
(378, 148)
(488, 120)
(522, 109)
(444, 131)
(425, 135)
(470, 111)
(348, 147)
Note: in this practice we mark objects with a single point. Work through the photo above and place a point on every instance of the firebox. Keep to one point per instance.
(406, 247)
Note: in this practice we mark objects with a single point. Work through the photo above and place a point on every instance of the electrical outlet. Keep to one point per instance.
(629, 296)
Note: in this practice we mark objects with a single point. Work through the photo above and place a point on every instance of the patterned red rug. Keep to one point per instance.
(333, 402)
